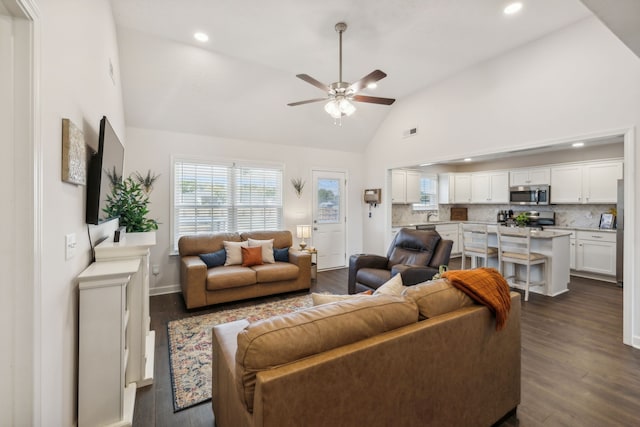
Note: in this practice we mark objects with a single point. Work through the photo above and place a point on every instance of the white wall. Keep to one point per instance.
(152, 149)
(78, 40)
(576, 82)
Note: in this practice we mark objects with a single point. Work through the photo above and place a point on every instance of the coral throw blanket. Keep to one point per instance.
(486, 286)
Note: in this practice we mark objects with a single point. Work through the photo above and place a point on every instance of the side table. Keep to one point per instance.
(314, 262)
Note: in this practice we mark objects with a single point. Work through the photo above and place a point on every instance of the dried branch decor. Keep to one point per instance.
(298, 185)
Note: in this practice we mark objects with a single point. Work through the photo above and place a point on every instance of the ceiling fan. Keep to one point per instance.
(340, 94)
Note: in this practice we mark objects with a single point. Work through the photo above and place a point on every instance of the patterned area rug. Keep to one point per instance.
(190, 346)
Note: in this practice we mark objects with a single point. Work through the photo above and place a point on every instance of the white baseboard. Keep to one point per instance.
(162, 290)
(636, 342)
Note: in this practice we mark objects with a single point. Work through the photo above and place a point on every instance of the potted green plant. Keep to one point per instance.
(129, 202)
(522, 220)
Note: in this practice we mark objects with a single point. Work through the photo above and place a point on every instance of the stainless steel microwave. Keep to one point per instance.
(530, 195)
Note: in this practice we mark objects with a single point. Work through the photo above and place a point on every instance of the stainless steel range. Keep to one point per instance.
(537, 219)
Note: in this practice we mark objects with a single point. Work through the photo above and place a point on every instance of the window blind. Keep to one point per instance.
(211, 198)
(428, 193)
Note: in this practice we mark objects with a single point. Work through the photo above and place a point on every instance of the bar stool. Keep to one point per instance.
(475, 245)
(514, 247)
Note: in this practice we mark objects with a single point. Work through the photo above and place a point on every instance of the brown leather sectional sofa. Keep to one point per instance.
(202, 286)
(368, 361)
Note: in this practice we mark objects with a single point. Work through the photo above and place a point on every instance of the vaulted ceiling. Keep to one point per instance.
(238, 83)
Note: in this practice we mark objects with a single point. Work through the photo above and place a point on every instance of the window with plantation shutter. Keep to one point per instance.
(217, 197)
(428, 193)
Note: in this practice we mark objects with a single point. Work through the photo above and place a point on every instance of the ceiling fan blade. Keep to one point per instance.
(308, 101)
(374, 99)
(372, 77)
(307, 78)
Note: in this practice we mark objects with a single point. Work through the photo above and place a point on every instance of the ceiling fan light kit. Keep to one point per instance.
(340, 95)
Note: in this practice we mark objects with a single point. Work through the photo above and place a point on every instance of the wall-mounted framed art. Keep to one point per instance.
(74, 154)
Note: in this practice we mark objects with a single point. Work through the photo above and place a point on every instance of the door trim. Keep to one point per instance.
(28, 160)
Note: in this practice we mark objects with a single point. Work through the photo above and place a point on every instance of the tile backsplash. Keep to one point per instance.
(566, 215)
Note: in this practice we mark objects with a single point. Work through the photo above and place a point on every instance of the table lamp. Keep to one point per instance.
(303, 232)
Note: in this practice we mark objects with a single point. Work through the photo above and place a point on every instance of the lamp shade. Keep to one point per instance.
(303, 231)
(339, 107)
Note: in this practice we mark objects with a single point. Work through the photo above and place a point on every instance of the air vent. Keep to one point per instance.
(409, 132)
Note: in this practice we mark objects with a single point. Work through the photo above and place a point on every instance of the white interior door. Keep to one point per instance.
(329, 218)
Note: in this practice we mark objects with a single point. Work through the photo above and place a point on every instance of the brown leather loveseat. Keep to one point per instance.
(414, 254)
(202, 286)
(369, 361)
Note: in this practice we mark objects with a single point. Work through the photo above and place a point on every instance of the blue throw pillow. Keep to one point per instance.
(281, 255)
(214, 259)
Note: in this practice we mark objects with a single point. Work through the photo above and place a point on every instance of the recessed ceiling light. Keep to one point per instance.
(512, 8)
(578, 144)
(468, 159)
(372, 85)
(201, 37)
(426, 164)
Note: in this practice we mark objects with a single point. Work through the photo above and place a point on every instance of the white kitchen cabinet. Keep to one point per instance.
(593, 182)
(490, 187)
(405, 186)
(600, 181)
(566, 184)
(530, 176)
(462, 188)
(413, 187)
(398, 186)
(450, 232)
(446, 188)
(596, 252)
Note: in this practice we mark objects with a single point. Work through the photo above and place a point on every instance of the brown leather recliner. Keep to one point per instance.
(415, 254)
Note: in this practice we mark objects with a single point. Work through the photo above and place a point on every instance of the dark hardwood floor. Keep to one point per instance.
(575, 369)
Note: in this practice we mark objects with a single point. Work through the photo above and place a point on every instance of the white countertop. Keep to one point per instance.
(550, 227)
(558, 227)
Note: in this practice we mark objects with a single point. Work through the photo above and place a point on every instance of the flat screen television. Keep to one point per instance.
(104, 165)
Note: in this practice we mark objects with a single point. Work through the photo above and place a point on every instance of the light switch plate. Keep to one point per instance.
(70, 245)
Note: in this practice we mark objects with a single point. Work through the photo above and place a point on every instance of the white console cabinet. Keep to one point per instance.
(106, 394)
(135, 246)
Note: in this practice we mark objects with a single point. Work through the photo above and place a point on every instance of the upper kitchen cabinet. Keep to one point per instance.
(405, 186)
(593, 182)
(462, 188)
(530, 176)
(446, 188)
(490, 187)
(600, 181)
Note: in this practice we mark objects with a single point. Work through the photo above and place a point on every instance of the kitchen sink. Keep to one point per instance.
(425, 227)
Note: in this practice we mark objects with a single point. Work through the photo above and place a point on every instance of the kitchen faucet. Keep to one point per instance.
(430, 214)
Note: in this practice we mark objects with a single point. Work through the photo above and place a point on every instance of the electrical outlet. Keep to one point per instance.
(70, 245)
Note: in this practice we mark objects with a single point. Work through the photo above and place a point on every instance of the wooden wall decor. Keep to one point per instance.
(74, 154)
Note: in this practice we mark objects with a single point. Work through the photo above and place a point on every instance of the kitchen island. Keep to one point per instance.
(555, 244)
